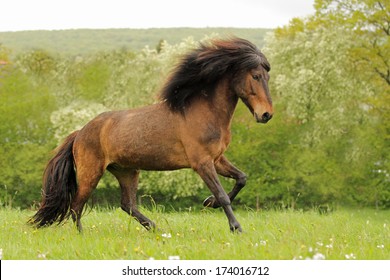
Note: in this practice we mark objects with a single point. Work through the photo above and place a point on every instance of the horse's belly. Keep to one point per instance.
(148, 156)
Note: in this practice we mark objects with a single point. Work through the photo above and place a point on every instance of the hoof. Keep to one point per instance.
(211, 202)
(236, 229)
(149, 225)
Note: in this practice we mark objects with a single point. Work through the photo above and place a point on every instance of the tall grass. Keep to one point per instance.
(111, 234)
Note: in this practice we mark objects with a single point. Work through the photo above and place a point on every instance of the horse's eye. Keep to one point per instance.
(256, 77)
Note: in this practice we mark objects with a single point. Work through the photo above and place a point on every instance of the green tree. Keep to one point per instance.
(25, 137)
(369, 21)
(329, 88)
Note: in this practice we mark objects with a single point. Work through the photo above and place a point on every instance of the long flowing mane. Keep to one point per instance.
(200, 71)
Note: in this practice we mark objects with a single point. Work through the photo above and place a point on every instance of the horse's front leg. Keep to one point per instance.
(207, 171)
(225, 168)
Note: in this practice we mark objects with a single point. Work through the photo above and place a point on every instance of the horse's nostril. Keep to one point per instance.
(266, 116)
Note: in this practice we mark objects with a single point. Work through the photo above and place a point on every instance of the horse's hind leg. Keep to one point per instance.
(227, 169)
(128, 181)
(88, 178)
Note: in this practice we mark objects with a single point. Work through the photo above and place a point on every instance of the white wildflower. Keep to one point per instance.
(350, 257)
(298, 258)
(174, 258)
(42, 256)
(318, 256)
(166, 235)
(380, 246)
(263, 242)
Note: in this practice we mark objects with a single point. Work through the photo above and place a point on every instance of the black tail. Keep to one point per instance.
(59, 186)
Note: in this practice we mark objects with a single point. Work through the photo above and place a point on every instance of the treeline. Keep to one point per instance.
(327, 145)
(87, 41)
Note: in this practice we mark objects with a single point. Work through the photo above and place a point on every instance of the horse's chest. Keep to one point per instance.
(216, 139)
(215, 135)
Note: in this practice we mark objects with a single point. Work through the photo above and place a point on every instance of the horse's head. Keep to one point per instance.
(237, 61)
(252, 88)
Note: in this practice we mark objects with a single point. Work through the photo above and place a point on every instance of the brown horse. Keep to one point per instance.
(189, 128)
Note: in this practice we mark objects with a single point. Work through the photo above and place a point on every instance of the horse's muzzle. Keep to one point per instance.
(264, 118)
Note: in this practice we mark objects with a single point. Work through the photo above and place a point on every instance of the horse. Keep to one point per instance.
(190, 127)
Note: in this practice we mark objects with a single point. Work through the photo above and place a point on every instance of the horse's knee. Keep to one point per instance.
(241, 180)
(223, 199)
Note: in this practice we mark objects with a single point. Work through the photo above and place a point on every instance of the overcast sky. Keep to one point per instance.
(18, 15)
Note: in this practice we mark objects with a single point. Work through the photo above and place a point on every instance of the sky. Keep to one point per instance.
(17, 15)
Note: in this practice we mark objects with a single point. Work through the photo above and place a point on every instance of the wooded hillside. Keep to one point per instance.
(87, 41)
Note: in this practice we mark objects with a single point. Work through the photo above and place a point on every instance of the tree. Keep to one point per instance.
(369, 19)
(25, 137)
(334, 93)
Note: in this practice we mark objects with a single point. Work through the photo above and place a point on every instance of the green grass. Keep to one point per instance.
(111, 234)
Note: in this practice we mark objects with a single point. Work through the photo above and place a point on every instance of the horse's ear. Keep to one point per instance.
(266, 65)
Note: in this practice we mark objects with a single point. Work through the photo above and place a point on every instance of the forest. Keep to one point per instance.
(326, 147)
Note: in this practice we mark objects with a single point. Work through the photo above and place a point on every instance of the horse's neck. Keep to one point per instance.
(224, 103)
(217, 110)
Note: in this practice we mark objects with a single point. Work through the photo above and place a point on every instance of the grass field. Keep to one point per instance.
(280, 235)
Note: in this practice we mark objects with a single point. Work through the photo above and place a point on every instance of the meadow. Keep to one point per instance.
(202, 235)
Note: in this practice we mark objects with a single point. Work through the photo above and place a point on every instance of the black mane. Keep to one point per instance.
(200, 71)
